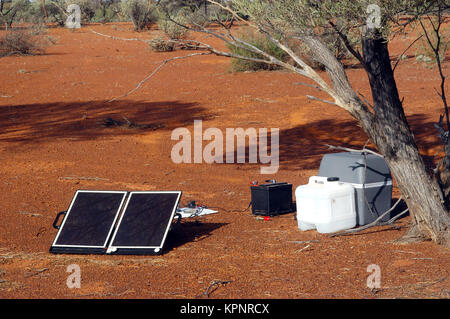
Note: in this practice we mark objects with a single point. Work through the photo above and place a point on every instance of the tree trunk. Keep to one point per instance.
(45, 11)
(393, 138)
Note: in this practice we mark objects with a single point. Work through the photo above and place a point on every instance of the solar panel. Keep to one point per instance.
(145, 222)
(89, 222)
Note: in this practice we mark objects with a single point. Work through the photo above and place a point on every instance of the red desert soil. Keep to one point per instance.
(52, 143)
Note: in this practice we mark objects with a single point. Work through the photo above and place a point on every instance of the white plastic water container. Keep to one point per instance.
(326, 205)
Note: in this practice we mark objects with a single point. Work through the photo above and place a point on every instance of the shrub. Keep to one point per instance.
(87, 8)
(14, 11)
(23, 42)
(139, 11)
(240, 65)
(173, 30)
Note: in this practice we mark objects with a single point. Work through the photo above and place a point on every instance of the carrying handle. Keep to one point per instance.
(178, 217)
(55, 223)
(318, 179)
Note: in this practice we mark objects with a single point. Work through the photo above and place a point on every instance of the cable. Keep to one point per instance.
(229, 211)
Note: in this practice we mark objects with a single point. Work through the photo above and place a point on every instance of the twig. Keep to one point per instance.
(308, 85)
(215, 283)
(118, 38)
(300, 250)
(87, 178)
(305, 241)
(366, 150)
(366, 100)
(376, 222)
(37, 272)
(401, 55)
(156, 70)
(320, 100)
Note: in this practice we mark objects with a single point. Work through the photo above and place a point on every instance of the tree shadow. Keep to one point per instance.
(36, 123)
(302, 147)
(189, 231)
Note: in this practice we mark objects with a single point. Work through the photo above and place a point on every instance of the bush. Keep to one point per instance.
(105, 14)
(87, 8)
(173, 30)
(240, 65)
(140, 13)
(54, 9)
(14, 11)
(23, 42)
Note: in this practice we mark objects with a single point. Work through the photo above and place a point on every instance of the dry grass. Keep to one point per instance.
(30, 41)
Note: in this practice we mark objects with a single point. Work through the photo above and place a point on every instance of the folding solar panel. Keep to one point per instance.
(145, 222)
(88, 222)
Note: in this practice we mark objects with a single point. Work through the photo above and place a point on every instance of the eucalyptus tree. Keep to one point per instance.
(373, 23)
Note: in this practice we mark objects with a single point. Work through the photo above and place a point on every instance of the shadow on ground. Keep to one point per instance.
(190, 231)
(34, 123)
(303, 146)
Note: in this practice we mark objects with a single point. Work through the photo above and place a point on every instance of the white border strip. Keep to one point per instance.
(112, 248)
(70, 208)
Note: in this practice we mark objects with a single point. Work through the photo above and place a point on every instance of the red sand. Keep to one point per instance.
(52, 144)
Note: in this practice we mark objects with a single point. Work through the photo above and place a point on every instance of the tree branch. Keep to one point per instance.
(332, 147)
(401, 55)
(148, 77)
(376, 222)
(349, 47)
(320, 100)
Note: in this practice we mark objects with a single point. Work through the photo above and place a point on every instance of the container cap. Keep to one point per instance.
(332, 179)
(350, 168)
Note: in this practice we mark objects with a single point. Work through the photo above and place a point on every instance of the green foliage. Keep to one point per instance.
(87, 8)
(312, 17)
(14, 11)
(174, 30)
(139, 11)
(262, 43)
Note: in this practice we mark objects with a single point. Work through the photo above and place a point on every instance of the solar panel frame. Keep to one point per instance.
(143, 250)
(86, 249)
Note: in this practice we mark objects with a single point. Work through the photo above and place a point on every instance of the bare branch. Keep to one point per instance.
(401, 55)
(308, 85)
(117, 38)
(376, 222)
(320, 100)
(332, 147)
(366, 100)
(156, 70)
(349, 47)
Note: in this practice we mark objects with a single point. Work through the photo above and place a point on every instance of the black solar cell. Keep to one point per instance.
(145, 222)
(88, 222)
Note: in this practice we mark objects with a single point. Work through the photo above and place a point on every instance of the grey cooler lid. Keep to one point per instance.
(349, 167)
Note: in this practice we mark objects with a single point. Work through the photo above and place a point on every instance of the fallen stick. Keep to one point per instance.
(214, 283)
(376, 222)
(86, 178)
(300, 250)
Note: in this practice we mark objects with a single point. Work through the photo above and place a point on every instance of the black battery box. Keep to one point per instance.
(271, 199)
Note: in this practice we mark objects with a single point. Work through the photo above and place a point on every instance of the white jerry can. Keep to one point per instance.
(325, 204)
